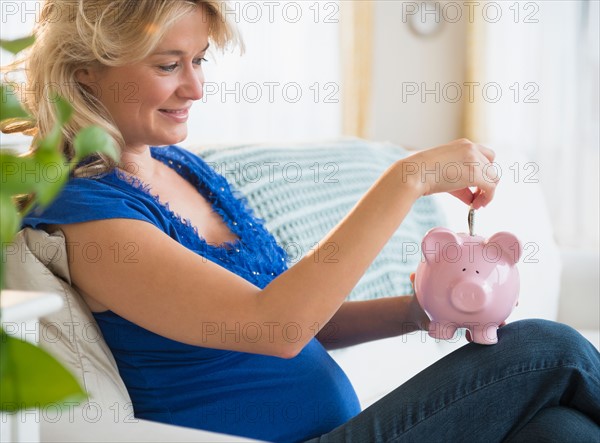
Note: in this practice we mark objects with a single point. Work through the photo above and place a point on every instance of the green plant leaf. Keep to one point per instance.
(3, 358)
(2, 280)
(3, 257)
(32, 378)
(9, 105)
(93, 139)
(54, 173)
(18, 175)
(52, 140)
(64, 110)
(16, 46)
(9, 219)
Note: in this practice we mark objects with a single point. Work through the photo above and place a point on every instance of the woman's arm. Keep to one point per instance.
(311, 292)
(178, 294)
(362, 321)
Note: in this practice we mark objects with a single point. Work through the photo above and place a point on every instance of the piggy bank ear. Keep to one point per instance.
(508, 243)
(434, 242)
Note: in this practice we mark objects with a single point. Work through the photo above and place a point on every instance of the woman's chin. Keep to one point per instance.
(168, 141)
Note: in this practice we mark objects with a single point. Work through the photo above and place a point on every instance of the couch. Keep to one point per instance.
(301, 191)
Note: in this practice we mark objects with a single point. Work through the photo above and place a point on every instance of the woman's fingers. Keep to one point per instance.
(488, 180)
(482, 198)
(487, 152)
(484, 175)
(454, 168)
(464, 195)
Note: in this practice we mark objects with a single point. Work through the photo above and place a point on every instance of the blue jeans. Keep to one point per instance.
(540, 383)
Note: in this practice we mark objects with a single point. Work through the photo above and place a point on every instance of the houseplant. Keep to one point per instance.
(29, 376)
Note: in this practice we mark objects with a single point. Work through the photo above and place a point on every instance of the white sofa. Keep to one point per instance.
(374, 368)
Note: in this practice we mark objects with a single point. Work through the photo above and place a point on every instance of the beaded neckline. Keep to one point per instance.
(203, 187)
(255, 256)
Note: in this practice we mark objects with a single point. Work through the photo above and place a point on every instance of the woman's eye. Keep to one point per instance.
(169, 68)
(172, 67)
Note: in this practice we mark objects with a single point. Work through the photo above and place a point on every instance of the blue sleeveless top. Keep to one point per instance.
(250, 395)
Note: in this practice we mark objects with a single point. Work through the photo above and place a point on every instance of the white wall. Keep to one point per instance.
(401, 59)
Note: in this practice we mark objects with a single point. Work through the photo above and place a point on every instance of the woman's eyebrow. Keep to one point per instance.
(175, 51)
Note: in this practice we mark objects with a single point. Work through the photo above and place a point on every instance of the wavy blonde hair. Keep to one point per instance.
(75, 34)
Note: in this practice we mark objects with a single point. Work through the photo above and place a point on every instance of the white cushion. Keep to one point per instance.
(37, 261)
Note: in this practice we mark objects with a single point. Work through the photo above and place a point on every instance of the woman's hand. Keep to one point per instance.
(416, 313)
(454, 168)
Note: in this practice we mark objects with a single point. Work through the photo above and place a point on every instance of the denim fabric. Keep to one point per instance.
(540, 383)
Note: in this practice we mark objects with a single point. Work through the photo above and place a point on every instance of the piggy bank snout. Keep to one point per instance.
(469, 297)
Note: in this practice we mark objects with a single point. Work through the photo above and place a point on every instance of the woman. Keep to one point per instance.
(201, 267)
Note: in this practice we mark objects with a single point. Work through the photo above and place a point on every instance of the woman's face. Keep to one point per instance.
(149, 100)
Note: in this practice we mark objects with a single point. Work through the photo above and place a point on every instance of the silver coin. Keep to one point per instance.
(471, 221)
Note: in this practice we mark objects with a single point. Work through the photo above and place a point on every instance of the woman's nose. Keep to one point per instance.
(192, 84)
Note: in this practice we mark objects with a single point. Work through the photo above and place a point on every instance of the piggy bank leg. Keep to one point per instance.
(435, 329)
(485, 335)
(442, 330)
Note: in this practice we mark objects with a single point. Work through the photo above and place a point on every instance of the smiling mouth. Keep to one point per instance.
(174, 111)
(175, 115)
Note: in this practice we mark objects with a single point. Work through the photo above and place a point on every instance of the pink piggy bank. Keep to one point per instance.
(468, 282)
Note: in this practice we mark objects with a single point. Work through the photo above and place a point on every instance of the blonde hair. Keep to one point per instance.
(74, 34)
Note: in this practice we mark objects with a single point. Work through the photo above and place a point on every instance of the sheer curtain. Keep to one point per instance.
(356, 48)
(543, 58)
(286, 87)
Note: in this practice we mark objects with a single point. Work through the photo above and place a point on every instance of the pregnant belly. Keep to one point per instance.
(250, 395)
